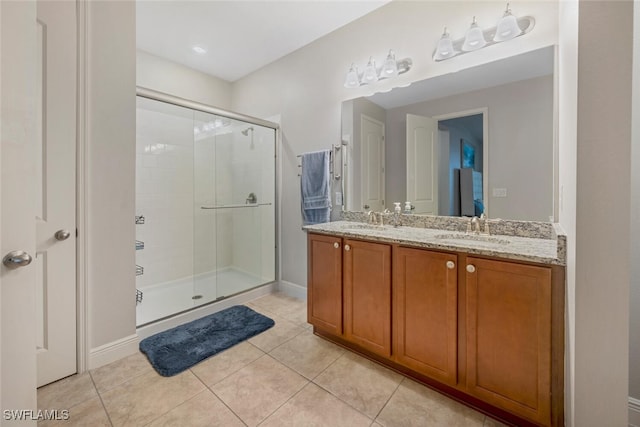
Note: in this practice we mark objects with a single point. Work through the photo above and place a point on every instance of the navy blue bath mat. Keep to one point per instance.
(175, 350)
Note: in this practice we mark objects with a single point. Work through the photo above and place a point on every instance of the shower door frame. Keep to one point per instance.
(197, 106)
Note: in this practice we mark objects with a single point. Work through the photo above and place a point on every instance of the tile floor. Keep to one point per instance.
(285, 376)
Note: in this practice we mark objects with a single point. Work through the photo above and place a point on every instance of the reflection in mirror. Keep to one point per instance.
(479, 140)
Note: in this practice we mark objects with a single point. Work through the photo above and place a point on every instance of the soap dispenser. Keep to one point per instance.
(407, 207)
(397, 209)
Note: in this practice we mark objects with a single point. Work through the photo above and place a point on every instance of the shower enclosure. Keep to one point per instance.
(205, 205)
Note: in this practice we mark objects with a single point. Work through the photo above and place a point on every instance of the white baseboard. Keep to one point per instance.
(634, 412)
(113, 351)
(293, 290)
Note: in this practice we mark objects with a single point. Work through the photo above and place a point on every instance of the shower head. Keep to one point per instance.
(246, 131)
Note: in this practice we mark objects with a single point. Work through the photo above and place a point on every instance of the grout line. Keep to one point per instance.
(104, 408)
(287, 401)
(390, 396)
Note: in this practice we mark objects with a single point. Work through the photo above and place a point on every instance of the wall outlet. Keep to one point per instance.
(499, 192)
(338, 198)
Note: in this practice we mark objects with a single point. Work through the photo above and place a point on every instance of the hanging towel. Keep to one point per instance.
(315, 188)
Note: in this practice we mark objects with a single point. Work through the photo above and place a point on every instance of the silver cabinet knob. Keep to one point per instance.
(15, 259)
(451, 265)
(62, 235)
(347, 248)
(471, 268)
(336, 245)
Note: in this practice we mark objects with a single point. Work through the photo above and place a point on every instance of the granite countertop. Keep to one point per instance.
(532, 249)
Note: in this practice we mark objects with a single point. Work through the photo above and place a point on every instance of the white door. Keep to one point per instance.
(17, 205)
(372, 164)
(422, 164)
(55, 261)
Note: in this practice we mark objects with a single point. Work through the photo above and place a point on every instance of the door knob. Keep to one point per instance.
(15, 259)
(451, 265)
(347, 247)
(471, 268)
(62, 235)
(336, 245)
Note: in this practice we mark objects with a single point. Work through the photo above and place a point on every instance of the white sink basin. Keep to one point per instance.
(473, 238)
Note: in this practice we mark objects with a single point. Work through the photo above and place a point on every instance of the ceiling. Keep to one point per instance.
(239, 36)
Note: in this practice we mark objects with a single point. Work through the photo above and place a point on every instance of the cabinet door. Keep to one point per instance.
(509, 336)
(324, 287)
(367, 295)
(425, 293)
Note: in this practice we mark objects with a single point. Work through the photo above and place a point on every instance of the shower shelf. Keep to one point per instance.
(139, 270)
(139, 219)
(139, 245)
(138, 297)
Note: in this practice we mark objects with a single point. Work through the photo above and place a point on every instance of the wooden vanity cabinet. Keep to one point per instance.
(425, 312)
(508, 336)
(324, 283)
(367, 295)
(349, 291)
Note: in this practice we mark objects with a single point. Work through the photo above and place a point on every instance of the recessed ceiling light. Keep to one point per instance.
(199, 50)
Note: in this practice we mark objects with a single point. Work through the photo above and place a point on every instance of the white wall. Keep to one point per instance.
(567, 154)
(634, 300)
(305, 87)
(602, 263)
(111, 127)
(169, 77)
(520, 145)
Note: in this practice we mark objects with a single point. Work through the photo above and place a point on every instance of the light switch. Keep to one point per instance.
(338, 198)
(499, 192)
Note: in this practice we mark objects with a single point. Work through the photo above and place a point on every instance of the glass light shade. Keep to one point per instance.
(390, 66)
(508, 27)
(370, 73)
(352, 80)
(445, 47)
(474, 39)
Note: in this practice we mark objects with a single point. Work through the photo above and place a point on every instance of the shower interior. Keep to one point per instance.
(205, 211)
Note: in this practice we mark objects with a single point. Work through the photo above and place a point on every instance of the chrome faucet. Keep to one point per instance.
(252, 199)
(484, 218)
(474, 225)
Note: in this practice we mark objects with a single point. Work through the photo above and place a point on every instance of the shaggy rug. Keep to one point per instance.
(175, 350)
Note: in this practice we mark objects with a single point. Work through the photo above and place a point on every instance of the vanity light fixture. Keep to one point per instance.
(474, 39)
(371, 74)
(509, 27)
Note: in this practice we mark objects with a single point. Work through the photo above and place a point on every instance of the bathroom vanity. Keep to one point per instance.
(479, 318)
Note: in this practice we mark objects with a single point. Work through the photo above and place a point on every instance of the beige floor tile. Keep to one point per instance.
(116, 373)
(258, 389)
(88, 413)
(279, 303)
(203, 410)
(148, 396)
(315, 407)
(361, 383)
(280, 333)
(223, 364)
(67, 392)
(307, 354)
(416, 405)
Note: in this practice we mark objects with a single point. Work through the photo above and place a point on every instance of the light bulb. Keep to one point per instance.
(370, 73)
(352, 80)
(445, 47)
(390, 66)
(474, 39)
(507, 28)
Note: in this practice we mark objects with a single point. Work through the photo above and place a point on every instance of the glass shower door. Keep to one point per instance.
(234, 187)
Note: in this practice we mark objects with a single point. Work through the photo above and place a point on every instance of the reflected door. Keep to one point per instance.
(422, 164)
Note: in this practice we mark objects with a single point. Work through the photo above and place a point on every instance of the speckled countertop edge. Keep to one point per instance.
(550, 249)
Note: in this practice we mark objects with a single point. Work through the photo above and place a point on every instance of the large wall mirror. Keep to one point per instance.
(478, 140)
